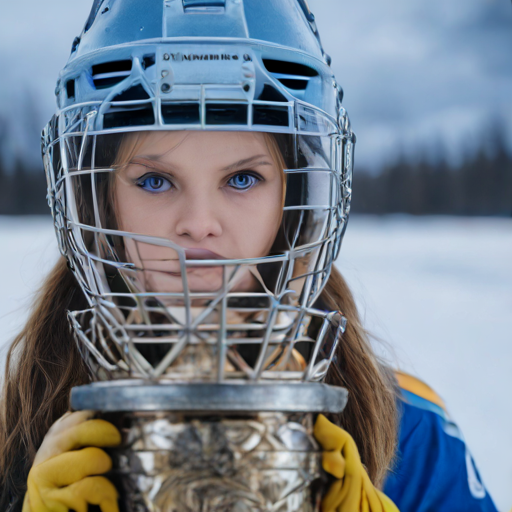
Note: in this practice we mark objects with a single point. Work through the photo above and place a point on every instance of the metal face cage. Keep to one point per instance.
(178, 332)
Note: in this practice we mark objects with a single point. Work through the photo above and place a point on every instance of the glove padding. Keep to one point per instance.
(65, 472)
(353, 490)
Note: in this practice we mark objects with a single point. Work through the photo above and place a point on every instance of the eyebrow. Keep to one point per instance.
(156, 164)
(153, 162)
(247, 161)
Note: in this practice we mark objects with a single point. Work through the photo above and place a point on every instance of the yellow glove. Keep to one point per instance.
(64, 477)
(353, 490)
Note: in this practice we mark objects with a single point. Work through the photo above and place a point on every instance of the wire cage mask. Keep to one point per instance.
(143, 324)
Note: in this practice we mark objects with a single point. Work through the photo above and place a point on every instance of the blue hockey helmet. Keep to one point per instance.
(218, 65)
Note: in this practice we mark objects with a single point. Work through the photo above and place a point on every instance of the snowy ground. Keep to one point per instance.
(438, 291)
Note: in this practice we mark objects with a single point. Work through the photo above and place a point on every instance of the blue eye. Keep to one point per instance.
(155, 184)
(243, 181)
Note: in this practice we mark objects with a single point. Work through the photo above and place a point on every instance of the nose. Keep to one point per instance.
(197, 218)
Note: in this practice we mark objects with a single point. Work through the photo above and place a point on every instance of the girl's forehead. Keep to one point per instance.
(198, 143)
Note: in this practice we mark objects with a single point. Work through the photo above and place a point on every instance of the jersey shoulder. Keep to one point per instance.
(419, 394)
(433, 470)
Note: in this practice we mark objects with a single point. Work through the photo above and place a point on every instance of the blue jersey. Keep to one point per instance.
(434, 471)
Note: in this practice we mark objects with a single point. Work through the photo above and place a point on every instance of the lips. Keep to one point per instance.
(202, 254)
(171, 266)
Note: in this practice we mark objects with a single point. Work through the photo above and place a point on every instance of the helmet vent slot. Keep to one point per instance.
(181, 113)
(70, 88)
(294, 83)
(148, 61)
(228, 113)
(291, 74)
(204, 6)
(138, 115)
(270, 115)
(289, 68)
(109, 74)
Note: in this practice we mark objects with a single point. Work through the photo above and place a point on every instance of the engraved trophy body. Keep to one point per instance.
(209, 447)
(211, 366)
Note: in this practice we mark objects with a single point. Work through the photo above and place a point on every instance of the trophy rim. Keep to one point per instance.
(210, 398)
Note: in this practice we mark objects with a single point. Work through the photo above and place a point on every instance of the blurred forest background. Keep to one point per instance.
(424, 182)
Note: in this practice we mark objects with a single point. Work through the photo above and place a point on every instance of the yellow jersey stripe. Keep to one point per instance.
(416, 386)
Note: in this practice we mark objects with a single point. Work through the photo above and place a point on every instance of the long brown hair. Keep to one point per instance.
(44, 363)
(371, 415)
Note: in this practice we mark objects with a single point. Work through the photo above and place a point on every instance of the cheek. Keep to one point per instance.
(255, 224)
(123, 196)
(139, 213)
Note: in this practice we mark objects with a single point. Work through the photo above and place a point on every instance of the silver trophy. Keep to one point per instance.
(215, 388)
(215, 447)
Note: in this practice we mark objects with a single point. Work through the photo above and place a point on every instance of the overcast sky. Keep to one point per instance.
(416, 74)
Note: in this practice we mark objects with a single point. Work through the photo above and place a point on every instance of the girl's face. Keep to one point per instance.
(216, 194)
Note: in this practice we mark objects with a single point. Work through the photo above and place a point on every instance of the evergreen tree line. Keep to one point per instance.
(481, 184)
(23, 191)
(22, 183)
